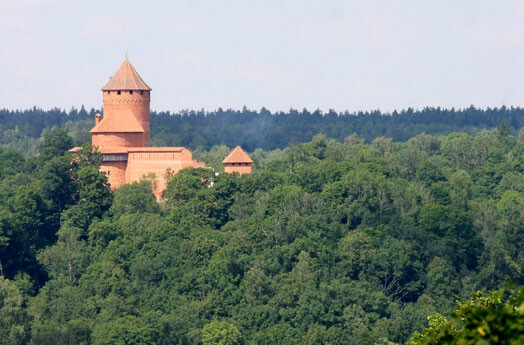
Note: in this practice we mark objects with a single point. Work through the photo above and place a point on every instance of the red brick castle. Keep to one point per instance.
(123, 137)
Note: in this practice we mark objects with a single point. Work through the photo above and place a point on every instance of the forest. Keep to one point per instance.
(334, 239)
(22, 130)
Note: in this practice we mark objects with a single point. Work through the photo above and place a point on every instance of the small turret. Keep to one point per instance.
(238, 161)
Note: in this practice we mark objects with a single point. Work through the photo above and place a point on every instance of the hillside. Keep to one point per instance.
(339, 242)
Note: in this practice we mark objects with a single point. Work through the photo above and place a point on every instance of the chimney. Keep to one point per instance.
(98, 118)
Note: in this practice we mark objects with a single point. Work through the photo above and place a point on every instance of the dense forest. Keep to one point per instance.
(22, 130)
(349, 241)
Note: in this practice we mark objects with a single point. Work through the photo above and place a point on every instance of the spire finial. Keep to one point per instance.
(126, 56)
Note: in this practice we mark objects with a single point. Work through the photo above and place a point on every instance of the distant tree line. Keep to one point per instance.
(21, 129)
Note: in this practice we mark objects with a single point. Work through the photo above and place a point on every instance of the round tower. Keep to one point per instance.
(126, 121)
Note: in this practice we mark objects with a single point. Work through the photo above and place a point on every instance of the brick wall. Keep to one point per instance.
(146, 163)
(118, 104)
(116, 173)
(241, 168)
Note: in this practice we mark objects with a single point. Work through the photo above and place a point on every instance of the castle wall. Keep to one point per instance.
(116, 173)
(118, 103)
(241, 168)
(146, 163)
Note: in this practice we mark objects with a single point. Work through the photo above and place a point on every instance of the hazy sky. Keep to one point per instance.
(344, 55)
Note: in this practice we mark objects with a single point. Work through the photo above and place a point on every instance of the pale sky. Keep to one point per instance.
(345, 55)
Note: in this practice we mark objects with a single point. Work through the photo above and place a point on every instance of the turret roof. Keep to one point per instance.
(237, 156)
(122, 122)
(126, 78)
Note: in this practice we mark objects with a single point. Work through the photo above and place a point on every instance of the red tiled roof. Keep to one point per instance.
(113, 150)
(122, 149)
(126, 78)
(121, 122)
(155, 149)
(237, 156)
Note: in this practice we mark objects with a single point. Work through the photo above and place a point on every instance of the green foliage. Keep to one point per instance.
(495, 319)
(327, 242)
(134, 198)
(11, 163)
(56, 142)
(14, 319)
(201, 130)
(127, 330)
(220, 333)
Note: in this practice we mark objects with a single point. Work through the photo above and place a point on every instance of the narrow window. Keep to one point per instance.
(108, 173)
(108, 92)
(118, 92)
(142, 92)
(130, 92)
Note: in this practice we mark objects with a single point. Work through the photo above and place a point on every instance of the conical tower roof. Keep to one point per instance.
(126, 78)
(237, 156)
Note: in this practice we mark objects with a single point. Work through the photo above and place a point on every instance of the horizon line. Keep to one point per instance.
(245, 108)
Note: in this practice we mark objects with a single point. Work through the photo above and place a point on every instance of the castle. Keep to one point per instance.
(123, 137)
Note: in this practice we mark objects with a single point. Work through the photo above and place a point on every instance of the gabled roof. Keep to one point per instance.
(122, 122)
(237, 156)
(126, 78)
